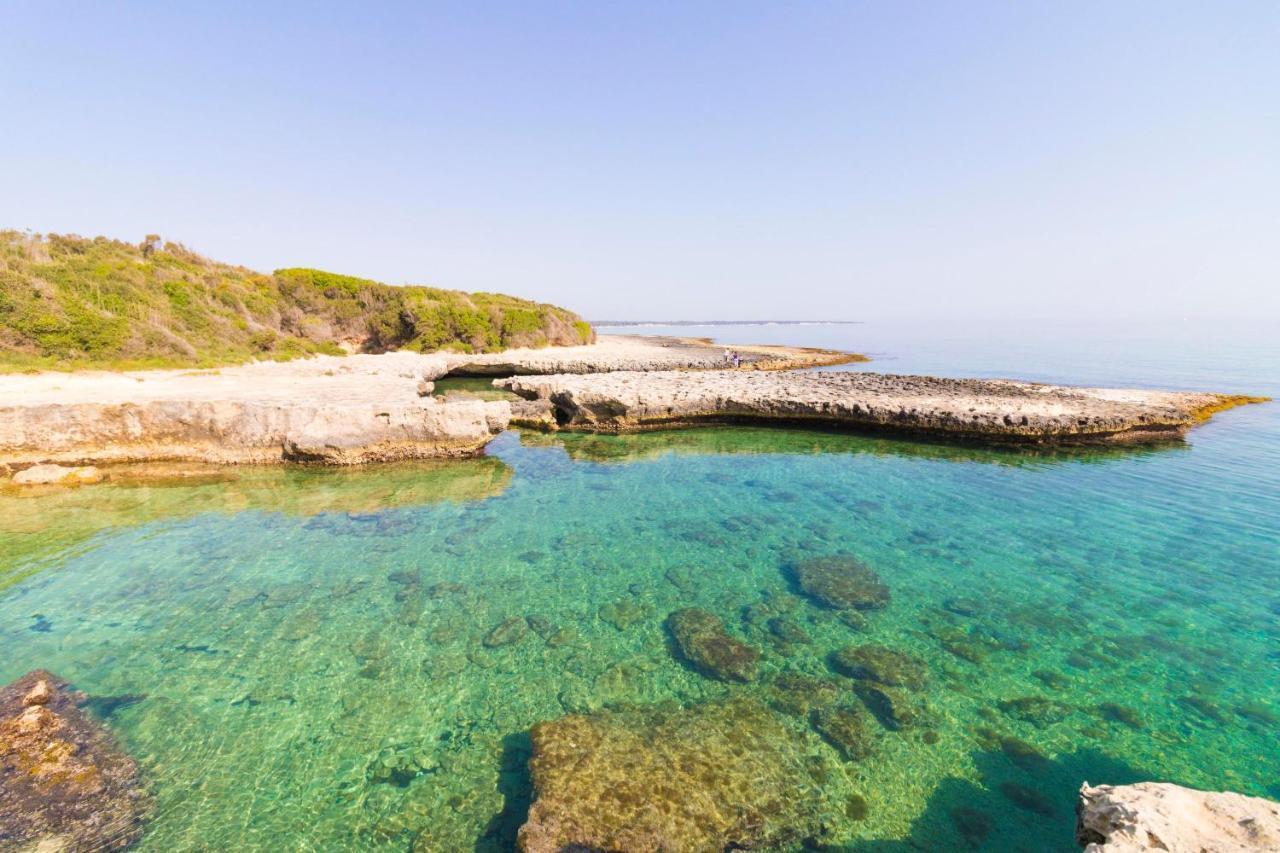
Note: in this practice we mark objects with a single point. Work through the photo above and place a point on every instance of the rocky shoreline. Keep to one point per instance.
(964, 409)
(378, 408)
(331, 410)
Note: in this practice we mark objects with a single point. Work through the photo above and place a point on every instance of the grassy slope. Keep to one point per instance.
(69, 302)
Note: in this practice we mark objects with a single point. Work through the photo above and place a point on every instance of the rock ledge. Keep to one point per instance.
(1161, 816)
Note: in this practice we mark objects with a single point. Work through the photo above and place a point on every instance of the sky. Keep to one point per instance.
(686, 160)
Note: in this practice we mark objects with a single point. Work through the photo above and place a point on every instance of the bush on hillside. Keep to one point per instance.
(68, 301)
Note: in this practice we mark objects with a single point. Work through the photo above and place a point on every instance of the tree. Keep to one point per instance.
(150, 245)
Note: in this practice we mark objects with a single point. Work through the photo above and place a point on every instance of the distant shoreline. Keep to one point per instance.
(726, 322)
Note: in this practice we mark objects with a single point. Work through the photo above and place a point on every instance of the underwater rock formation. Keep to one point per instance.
(717, 776)
(845, 728)
(703, 641)
(64, 784)
(880, 664)
(842, 582)
(1161, 816)
(507, 632)
(991, 410)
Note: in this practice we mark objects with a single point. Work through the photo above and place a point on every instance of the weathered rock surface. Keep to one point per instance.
(361, 408)
(702, 640)
(718, 776)
(1161, 816)
(45, 475)
(64, 785)
(992, 410)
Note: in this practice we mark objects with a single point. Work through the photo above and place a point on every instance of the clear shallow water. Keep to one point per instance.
(297, 658)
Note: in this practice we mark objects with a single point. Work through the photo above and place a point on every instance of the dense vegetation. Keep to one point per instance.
(68, 302)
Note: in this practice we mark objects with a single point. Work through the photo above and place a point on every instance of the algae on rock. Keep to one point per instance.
(64, 784)
(703, 641)
(842, 582)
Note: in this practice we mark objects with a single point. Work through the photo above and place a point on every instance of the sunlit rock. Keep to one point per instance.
(1161, 816)
(64, 784)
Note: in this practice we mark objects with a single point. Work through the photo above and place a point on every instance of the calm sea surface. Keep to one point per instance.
(297, 657)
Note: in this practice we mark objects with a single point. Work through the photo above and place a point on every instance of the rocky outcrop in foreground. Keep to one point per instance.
(64, 785)
(990, 410)
(1160, 816)
(719, 776)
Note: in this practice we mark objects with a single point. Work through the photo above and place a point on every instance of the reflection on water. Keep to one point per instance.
(44, 522)
(480, 387)
(590, 447)
(342, 660)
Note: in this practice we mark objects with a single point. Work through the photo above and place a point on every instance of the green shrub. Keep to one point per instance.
(69, 302)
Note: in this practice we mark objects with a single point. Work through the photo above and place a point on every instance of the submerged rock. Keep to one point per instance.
(1037, 710)
(64, 784)
(718, 776)
(625, 613)
(507, 632)
(1122, 714)
(842, 582)
(889, 705)
(880, 664)
(1161, 816)
(1028, 799)
(703, 641)
(788, 631)
(797, 694)
(845, 728)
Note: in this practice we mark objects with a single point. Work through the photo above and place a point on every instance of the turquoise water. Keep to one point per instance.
(298, 659)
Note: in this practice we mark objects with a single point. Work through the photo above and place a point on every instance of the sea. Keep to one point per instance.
(353, 659)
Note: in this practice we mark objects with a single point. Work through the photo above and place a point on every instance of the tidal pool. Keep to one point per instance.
(308, 659)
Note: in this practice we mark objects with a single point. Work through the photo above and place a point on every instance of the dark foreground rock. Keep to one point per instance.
(64, 784)
(992, 410)
(719, 776)
(703, 641)
(1161, 816)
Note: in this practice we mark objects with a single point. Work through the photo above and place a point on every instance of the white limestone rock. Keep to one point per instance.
(1162, 816)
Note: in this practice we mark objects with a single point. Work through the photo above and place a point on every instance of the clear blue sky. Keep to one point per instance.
(675, 160)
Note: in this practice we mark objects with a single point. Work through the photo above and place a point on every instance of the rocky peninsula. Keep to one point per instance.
(965, 409)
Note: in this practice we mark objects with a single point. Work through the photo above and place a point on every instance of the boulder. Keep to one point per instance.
(64, 784)
(1162, 816)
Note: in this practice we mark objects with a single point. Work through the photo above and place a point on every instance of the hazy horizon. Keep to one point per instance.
(678, 162)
